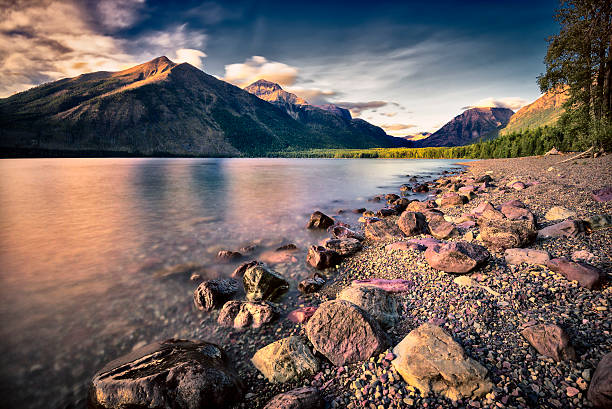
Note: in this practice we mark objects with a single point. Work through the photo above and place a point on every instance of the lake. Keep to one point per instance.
(87, 247)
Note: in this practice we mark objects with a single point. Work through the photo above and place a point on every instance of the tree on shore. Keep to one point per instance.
(579, 60)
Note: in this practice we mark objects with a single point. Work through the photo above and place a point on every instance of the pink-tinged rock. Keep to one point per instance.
(567, 228)
(515, 203)
(587, 275)
(529, 256)
(412, 244)
(344, 333)
(481, 208)
(600, 389)
(467, 224)
(518, 186)
(300, 398)
(500, 232)
(319, 220)
(391, 286)
(456, 257)
(383, 230)
(451, 199)
(411, 223)
(582, 255)
(341, 232)
(278, 257)
(465, 190)
(515, 210)
(301, 315)
(602, 195)
(550, 340)
(321, 258)
(440, 228)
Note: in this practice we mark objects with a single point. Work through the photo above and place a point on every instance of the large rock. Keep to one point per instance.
(602, 195)
(383, 230)
(456, 257)
(412, 223)
(598, 222)
(377, 302)
(567, 228)
(240, 314)
(344, 333)
(451, 199)
(301, 315)
(559, 213)
(498, 231)
(212, 294)
(319, 220)
(600, 389)
(430, 360)
(321, 258)
(440, 228)
(529, 256)
(417, 206)
(261, 283)
(176, 374)
(549, 340)
(587, 275)
(285, 360)
(299, 398)
(342, 232)
(344, 247)
(311, 284)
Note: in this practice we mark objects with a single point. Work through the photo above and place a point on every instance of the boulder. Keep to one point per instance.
(559, 213)
(261, 283)
(285, 360)
(600, 389)
(481, 208)
(456, 257)
(587, 275)
(417, 206)
(311, 285)
(341, 232)
(212, 294)
(602, 195)
(440, 228)
(344, 247)
(319, 220)
(344, 333)
(421, 188)
(301, 315)
(431, 361)
(411, 223)
(451, 199)
(484, 179)
(228, 256)
(383, 230)
(175, 373)
(401, 204)
(549, 340)
(529, 256)
(299, 398)
(598, 222)
(391, 286)
(567, 228)
(391, 197)
(239, 272)
(240, 314)
(377, 302)
(498, 231)
(514, 212)
(386, 212)
(321, 258)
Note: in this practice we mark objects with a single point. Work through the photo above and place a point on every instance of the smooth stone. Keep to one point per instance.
(456, 257)
(377, 302)
(567, 228)
(301, 315)
(391, 286)
(559, 213)
(341, 232)
(344, 246)
(285, 360)
(500, 232)
(299, 398)
(412, 223)
(481, 208)
(261, 283)
(319, 220)
(530, 256)
(212, 294)
(451, 199)
(440, 228)
(240, 314)
(321, 258)
(550, 340)
(586, 275)
(228, 256)
(600, 389)
(383, 230)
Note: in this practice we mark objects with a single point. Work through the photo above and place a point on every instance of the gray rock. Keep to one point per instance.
(261, 283)
(319, 220)
(344, 247)
(240, 314)
(299, 398)
(567, 228)
(212, 294)
(377, 302)
(529, 256)
(285, 360)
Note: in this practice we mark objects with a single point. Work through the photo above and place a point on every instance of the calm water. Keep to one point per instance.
(83, 241)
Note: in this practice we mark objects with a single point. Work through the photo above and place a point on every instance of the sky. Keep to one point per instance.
(407, 66)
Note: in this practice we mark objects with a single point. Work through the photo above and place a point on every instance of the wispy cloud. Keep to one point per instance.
(357, 108)
(512, 103)
(397, 127)
(258, 67)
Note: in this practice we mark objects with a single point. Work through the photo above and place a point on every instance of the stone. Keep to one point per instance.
(530, 256)
(401, 204)
(391, 286)
(598, 222)
(321, 258)
(383, 230)
(386, 212)
(176, 373)
(417, 206)
(440, 228)
(287, 247)
(240, 314)
(375, 301)
(411, 223)
(602, 195)
(451, 199)
(567, 228)
(585, 274)
(344, 333)
(239, 271)
(341, 232)
(481, 208)
(311, 285)
(497, 231)
(212, 294)
(278, 257)
(301, 315)
(391, 197)
(228, 256)
(514, 212)
(466, 281)
(484, 179)
(421, 188)
(550, 340)
(319, 220)
(518, 185)
(456, 257)
(559, 213)
(344, 247)
(299, 398)
(261, 283)
(600, 389)
(583, 255)
(285, 360)
(431, 361)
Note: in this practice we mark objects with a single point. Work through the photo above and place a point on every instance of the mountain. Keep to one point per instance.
(158, 107)
(417, 137)
(469, 127)
(545, 110)
(328, 119)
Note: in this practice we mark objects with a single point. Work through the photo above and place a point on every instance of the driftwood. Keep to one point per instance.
(580, 155)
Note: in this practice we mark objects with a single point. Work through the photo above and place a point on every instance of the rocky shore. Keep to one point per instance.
(494, 292)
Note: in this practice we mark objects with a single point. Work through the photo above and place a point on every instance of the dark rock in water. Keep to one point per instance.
(181, 269)
(452, 199)
(500, 232)
(602, 195)
(456, 257)
(344, 247)
(300, 398)
(240, 314)
(567, 228)
(261, 283)
(174, 374)
(550, 340)
(228, 256)
(287, 247)
(600, 389)
(311, 285)
(321, 258)
(376, 198)
(440, 228)
(319, 220)
(383, 230)
(404, 188)
(391, 197)
(212, 294)
(344, 333)
(359, 211)
(341, 232)
(248, 249)
(587, 275)
(422, 188)
(412, 223)
(239, 272)
(386, 212)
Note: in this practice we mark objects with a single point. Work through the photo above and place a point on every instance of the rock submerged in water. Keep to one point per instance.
(550, 340)
(285, 360)
(261, 283)
(431, 361)
(456, 257)
(600, 389)
(176, 373)
(240, 314)
(319, 220)
(312, 284)
(375, 301)
(211, 294)
(299, 398)
(227, 256)
(344, 333)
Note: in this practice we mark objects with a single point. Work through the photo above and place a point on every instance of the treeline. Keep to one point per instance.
(526, 143)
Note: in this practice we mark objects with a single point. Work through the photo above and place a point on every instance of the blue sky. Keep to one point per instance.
(407, 66)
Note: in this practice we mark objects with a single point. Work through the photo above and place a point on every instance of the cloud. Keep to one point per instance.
(258, 67)
(314, 96)
(512, 103)
(119, 14)
(357, 108)
(397, 127)
(191, 56)
(388, 114)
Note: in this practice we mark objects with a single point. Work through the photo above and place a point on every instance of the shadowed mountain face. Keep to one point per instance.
(469, 127)
(159, 108)
(545, 110)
